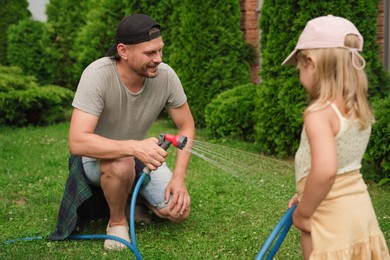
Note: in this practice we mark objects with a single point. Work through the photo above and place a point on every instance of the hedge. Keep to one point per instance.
(24, 102)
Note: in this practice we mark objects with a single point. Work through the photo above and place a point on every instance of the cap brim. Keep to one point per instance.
(290, 59)
(112, 50)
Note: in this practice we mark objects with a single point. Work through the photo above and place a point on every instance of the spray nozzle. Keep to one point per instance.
(165, 140)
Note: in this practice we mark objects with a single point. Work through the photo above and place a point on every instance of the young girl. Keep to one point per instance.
(334, 210)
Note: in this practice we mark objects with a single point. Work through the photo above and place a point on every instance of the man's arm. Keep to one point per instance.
(83, 141)
(184, 121)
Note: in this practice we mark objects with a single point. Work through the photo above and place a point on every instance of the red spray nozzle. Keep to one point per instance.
(179, 141)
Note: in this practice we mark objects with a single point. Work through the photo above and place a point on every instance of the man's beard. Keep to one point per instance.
(144, 73)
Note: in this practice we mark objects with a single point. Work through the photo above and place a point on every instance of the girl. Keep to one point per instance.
(334, 210)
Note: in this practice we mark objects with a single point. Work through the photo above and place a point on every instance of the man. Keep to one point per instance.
(117, 100)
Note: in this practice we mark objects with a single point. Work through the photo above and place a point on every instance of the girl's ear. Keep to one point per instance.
(311, 61)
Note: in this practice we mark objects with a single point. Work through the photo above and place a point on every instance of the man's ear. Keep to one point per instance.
(122, 50)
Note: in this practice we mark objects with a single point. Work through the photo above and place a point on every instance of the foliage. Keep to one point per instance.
(98, 33)
(23, 101)
(278, 116)
(232, 113)
(377, 157)
(26, 45)
(280, 99)
(65, 18)
(10, 13)
(208, 51)
(12, 78)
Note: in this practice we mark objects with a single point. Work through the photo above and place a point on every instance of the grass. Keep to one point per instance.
(231, 217)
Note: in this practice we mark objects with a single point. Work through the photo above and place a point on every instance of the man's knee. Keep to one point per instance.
(122, 168)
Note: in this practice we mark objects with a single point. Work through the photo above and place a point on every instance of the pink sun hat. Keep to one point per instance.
(325, 32)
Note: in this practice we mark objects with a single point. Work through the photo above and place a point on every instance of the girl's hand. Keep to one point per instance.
(300, 222)
(293, 201)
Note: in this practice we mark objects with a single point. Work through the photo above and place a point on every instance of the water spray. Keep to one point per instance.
(165, 140)
(239, 163)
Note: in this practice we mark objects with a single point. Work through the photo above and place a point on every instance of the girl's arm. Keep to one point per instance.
(321, 135)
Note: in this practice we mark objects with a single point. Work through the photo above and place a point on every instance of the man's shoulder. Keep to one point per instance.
(102, 63)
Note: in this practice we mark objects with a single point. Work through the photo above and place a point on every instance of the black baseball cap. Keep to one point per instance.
(134, 29)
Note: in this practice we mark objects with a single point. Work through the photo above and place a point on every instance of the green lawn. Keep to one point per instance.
(232, 215)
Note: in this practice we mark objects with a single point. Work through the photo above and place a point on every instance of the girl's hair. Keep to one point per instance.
(336, 75)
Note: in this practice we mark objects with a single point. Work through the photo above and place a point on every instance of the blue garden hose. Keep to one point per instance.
(132, 246)
(280, 231)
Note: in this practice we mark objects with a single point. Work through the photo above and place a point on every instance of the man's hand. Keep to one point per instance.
(149, 152)
(180, 197)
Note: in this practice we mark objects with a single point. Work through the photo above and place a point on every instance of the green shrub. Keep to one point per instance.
(34, 106)
(231, 113)
(10, 82)
(377, 157)
(11, 70)
(24, 102)
(13, 78)
(279, 116)
(208, 50)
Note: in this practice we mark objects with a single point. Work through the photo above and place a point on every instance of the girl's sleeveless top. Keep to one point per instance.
(351, 143)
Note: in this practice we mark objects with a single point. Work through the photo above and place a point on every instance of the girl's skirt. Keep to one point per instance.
(344, 226)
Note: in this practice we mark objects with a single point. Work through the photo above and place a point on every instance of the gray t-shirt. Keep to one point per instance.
(123, 114)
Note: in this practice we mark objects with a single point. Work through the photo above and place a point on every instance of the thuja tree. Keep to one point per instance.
(281, 99)
(65, 18)
(98, 33)
(31, 59)
(208, 50)
(47, 56)
(11, 12)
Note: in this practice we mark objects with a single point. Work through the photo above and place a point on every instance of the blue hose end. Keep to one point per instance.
(279, 232)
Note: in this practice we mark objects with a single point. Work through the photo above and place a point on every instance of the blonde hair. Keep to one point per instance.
(337, 75)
